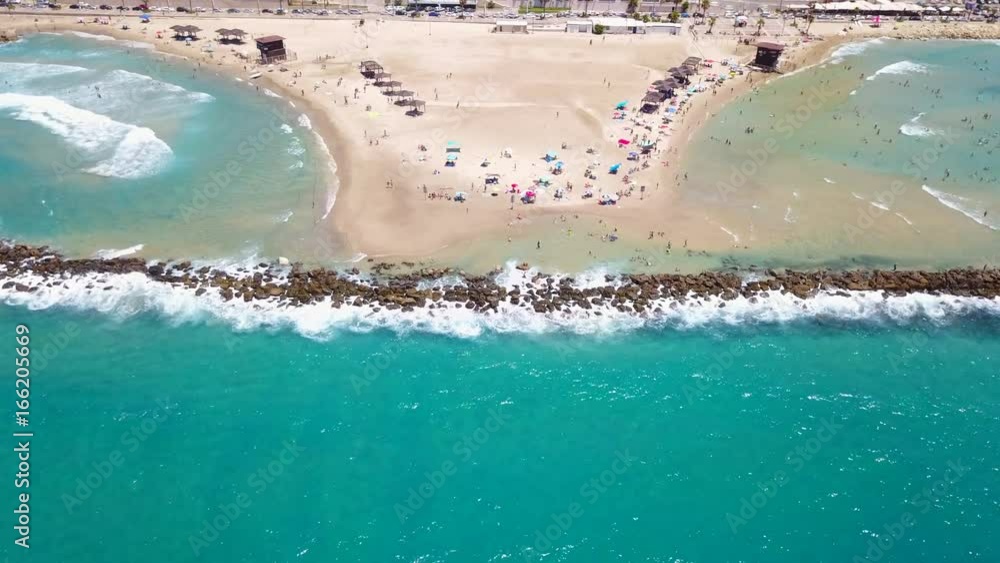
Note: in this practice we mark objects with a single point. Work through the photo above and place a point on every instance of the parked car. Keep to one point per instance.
(181, 9)
(105, 7)
(233, 11)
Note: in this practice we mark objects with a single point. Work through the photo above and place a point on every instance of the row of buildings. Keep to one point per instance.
(587, 25)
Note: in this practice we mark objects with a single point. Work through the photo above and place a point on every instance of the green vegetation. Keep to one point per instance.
(598, 29)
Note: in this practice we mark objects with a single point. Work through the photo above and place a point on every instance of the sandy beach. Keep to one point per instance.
(490, 95)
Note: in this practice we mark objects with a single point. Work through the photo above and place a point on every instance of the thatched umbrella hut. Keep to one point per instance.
(419, 106)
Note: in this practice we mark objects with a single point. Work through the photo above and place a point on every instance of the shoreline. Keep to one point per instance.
(337, 129)
(362, 207)
(331, 139)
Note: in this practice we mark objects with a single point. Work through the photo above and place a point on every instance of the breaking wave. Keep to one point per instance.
(125, 295)
(852, 49)
(110, 253)
(902, 67)
(120, 150)
(970, 208)
(915, 129)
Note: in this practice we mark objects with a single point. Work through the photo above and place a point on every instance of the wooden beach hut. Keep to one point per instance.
(370, 68)
(651, 101)
(391, 87)
(419, 107)
(768, 55)
(272, 49)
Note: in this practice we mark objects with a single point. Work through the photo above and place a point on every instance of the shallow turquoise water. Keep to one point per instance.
(885, 153)
(706, 414)
(106, 146)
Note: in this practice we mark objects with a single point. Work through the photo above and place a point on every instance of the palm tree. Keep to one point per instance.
(705, 5)
(809, 21)
(760, 24)
(633, 6)
(586, 4)
(711, 24)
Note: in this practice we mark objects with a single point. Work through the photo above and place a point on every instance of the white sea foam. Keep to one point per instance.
(970, 208)
(295, 147)
(907, 221)
(286, 128)
(736, 239)
(853, 92)
(829, 181)
(334, 187)
(876, 203)
(270, 93)
(914, 129)
(789, 217)
(899, 68)
(129, 95)
(121, 150)
(137, 44)
(110, 253)
(154, 84)
(304, 121)
(19, 73)
(91, 36)
(125, 295)
(852, 49)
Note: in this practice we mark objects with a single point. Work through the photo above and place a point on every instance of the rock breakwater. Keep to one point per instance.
(29, 269)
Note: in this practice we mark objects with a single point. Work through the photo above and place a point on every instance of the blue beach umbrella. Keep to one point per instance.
(621, 105)
(452, 157)
(614, 168)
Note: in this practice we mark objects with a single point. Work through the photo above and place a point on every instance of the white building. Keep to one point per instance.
(511, 26)
(619, 25)
(579, 26)
(663, 28)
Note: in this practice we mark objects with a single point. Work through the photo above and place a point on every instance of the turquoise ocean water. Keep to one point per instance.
(704, 417)
(105, 146)
(170, 428)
